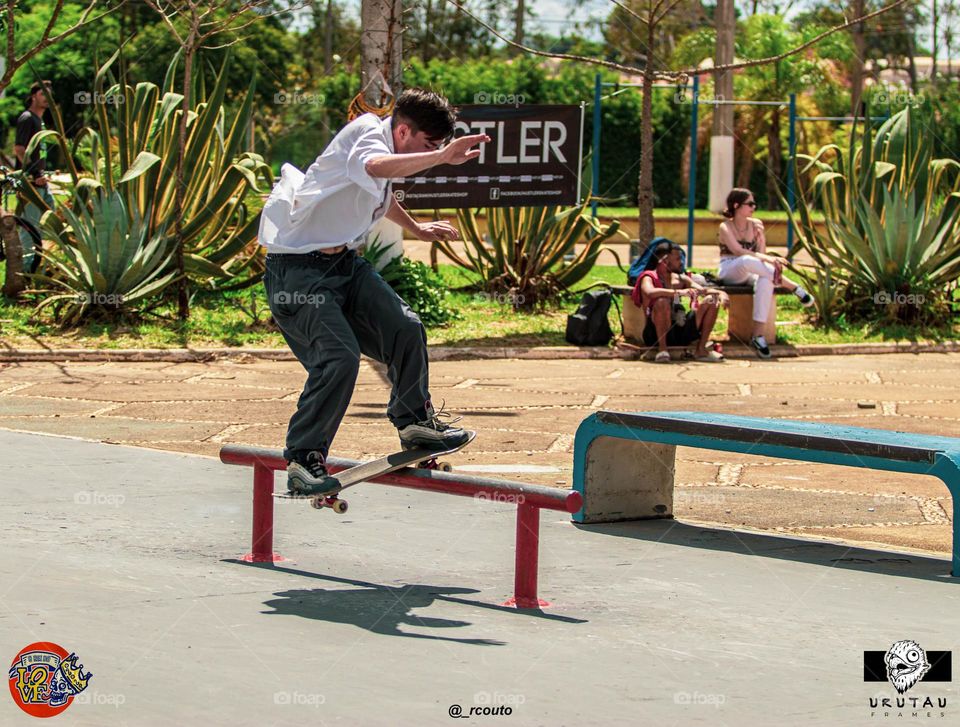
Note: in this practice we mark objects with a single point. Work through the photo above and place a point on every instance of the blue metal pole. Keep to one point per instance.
(596, 144)
(792, 143)
(692, 185)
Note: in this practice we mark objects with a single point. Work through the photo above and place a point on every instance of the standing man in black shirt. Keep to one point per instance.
(30, 123)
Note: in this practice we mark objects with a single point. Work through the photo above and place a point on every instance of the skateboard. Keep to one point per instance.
(419, 457)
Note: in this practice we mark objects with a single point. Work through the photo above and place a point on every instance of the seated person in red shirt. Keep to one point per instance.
(667, 322)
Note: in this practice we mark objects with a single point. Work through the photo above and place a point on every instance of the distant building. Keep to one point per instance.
(923, 64)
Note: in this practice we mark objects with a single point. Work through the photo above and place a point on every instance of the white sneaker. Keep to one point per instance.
(432, 433)
(309, 476)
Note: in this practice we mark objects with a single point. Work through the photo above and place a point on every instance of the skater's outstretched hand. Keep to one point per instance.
(433, 231)
(461, 149)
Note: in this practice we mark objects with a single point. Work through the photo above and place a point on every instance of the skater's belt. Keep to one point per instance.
(309, 258)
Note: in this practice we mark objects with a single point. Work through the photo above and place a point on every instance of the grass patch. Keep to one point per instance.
(242, 319)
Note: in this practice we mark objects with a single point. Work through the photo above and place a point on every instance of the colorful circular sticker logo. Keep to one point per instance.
(44, 679)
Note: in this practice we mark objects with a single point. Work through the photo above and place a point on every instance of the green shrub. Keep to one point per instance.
(417, 284)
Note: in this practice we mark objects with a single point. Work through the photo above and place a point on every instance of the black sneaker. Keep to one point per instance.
(309, 476)
(806, 300)
(759, 344)
(432, 432)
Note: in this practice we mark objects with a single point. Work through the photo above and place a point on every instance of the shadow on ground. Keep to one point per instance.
(382, 609)
(832, 555)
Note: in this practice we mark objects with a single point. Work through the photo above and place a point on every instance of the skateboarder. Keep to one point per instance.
(330, 304)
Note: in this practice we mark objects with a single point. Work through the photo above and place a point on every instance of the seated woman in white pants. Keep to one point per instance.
(744, 259)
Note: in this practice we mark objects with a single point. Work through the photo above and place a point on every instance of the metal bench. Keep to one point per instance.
(529, 499)
(623, 463)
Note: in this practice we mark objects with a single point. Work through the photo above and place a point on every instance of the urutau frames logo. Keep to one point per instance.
(904, 665)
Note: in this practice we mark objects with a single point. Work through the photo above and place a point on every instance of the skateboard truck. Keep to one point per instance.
(433, 464)
(332, 501)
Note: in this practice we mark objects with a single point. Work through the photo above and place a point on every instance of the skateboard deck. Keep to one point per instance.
(376, 468)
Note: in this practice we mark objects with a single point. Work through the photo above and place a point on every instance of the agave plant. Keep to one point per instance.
(105, 262)
(525, 259)
(891, 220)
(133, 150)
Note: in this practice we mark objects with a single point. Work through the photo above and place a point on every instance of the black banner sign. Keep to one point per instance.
(533, 159)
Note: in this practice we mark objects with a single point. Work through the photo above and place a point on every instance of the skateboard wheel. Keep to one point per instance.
(445, 467)
(318, 503)
(339, 506)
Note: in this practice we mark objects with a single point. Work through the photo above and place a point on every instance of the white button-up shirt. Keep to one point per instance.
(336, 201)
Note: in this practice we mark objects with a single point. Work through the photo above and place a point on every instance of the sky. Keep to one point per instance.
(552, 14)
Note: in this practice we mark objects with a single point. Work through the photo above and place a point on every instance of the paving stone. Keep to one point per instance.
(922, 425)
(21, 406)
(206, 449)
(933, 538)
(475, 397)
(226, 412)
(857, 391)
(768, 509)
(114, 429)
(104, 391)
(947, 409)
(145, 371)
(811, 476)
(695, 472)
(768, 375)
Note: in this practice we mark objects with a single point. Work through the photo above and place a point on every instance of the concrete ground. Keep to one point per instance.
(389, 614)
(527, 412)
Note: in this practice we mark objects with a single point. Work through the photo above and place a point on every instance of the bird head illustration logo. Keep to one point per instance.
(906, 664)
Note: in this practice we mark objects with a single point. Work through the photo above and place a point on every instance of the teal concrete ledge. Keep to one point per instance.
(639, 483)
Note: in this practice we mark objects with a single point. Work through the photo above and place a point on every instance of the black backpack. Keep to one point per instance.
(589, 325)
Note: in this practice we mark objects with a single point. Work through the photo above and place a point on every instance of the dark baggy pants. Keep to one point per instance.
(330, 309)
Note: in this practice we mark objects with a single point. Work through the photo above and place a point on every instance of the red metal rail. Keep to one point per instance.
(529, 499)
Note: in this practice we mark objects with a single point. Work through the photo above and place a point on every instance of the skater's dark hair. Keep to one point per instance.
(425, 111)
(737, 196)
